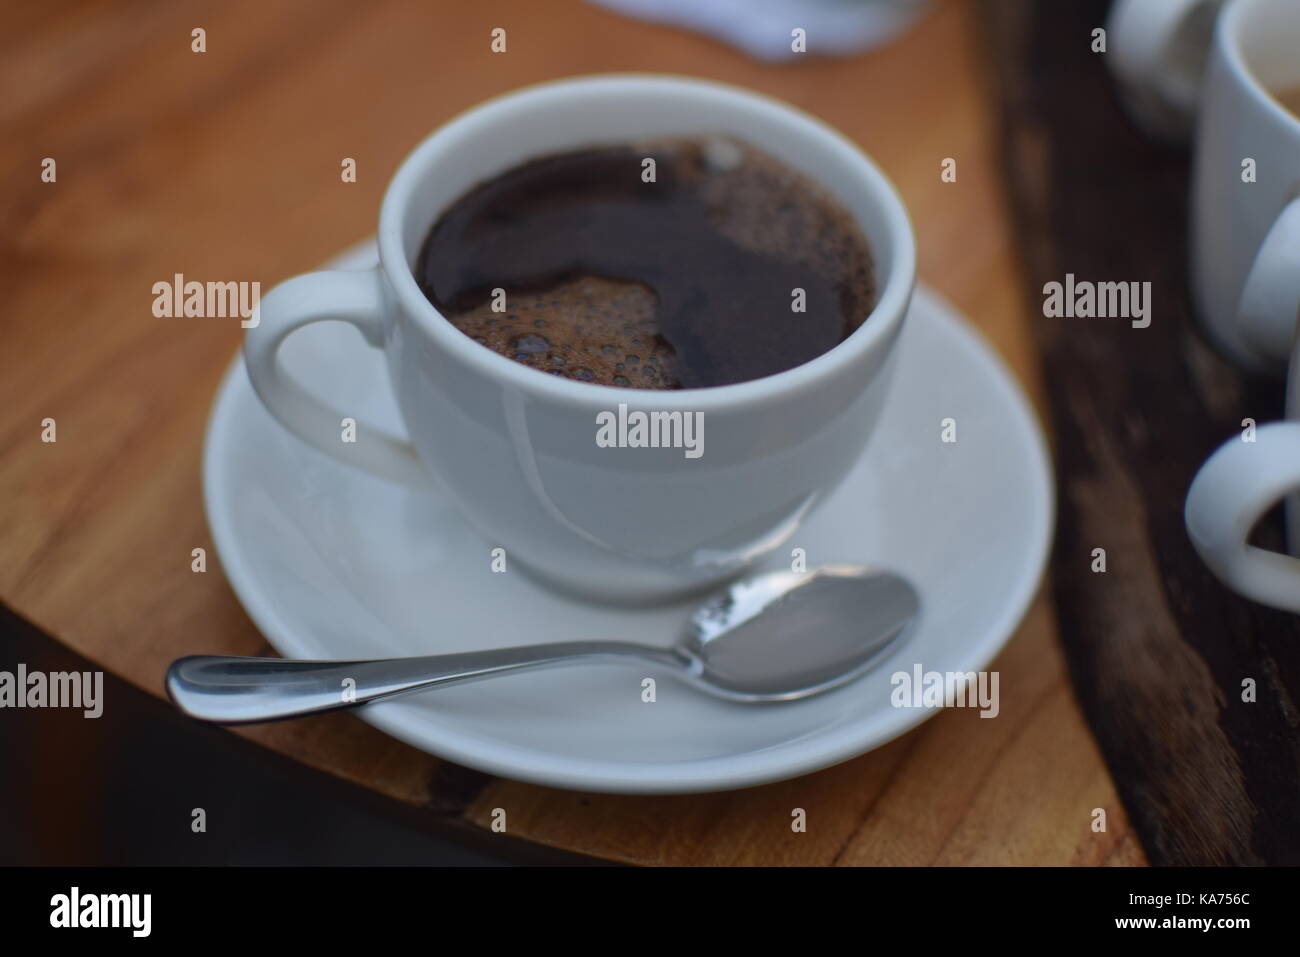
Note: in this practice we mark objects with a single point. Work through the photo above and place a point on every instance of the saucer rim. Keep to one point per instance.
(740, 770)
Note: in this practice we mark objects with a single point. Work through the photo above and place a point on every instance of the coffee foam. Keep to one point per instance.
(590, 328)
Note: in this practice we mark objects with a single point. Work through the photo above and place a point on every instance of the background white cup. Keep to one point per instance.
(1246, 276)
(1233, 490)
(516, 448)
(1156, 50)
(1245, 242)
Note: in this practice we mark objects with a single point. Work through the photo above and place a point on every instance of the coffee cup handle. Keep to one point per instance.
(1234, 488)
(1157, 53)
(1270, 300)
(354, 296)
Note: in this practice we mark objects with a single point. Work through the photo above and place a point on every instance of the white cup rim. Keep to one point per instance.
(1229, 28)
(894, 289)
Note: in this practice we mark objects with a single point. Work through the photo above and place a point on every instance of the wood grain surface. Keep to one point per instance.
(226, 164)
(1158, 649)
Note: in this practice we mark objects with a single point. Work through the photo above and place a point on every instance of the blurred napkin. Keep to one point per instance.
(762, 28)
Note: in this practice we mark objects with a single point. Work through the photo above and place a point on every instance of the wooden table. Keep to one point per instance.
(226, 164)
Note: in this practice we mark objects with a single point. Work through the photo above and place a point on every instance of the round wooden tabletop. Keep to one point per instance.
(227, 163)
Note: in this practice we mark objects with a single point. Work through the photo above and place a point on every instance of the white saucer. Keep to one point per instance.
(333, 563)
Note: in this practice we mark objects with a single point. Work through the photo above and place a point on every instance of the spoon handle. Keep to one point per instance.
(232, 690)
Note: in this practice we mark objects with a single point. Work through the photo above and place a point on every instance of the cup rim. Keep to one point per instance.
(878, 327)
(1229, 30)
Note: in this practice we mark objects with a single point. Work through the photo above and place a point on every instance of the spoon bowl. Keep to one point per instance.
(787, 635)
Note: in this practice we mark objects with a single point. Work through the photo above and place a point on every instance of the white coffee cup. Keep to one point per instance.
(515, 448)
(1234, 489)
(1156, 51)
(1245, 260)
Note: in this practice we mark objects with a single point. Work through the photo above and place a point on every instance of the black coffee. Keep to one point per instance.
(690, 280)
(1290, 98)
